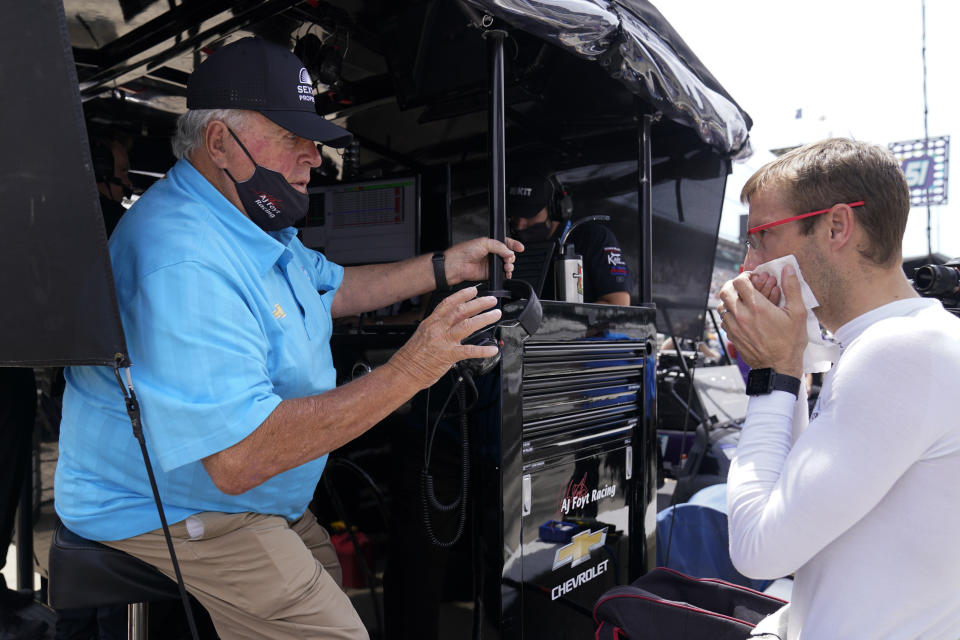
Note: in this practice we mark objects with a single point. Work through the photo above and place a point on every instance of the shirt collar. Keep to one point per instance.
(262, 247)
(851, 330)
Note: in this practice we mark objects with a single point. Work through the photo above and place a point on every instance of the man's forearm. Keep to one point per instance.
(302, 429)
(375, 286)
(757, 538)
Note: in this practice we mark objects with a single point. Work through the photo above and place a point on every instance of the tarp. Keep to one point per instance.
(637, 46)
(59, 302)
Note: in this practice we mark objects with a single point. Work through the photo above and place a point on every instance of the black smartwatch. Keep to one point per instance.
(440, 271)
(763, 381)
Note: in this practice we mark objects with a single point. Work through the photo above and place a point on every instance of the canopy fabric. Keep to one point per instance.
(638, 47)
(60, 308)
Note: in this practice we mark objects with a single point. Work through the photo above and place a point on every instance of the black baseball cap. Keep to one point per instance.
(263, 76)
(527, 193)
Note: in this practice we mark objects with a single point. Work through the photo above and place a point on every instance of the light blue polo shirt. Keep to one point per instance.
(222, 322)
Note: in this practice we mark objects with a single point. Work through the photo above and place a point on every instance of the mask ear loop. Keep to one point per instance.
(255, 165)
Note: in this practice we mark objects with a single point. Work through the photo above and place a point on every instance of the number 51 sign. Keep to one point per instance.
(925, 167)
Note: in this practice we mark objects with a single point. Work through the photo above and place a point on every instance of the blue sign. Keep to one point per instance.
(925, 164)
(919, 172)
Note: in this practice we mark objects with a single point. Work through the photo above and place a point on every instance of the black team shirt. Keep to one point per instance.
(604, 268)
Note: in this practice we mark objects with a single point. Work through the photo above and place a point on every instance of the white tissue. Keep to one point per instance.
(820, 354)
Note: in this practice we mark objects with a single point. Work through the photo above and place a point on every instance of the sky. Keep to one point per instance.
(853, 68)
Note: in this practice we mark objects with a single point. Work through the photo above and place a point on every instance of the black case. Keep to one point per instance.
(668, 604)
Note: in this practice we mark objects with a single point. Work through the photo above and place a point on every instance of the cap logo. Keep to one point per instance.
(521, 191)
(305, 88)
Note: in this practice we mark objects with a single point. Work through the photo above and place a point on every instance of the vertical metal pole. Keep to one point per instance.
(137, 621)
(496, 128)
(646, 210)
(926, 130)
(24, 527)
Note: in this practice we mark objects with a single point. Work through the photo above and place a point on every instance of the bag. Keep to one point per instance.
(665, 604)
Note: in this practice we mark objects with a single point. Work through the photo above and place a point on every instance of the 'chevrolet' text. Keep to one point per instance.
(580, 579)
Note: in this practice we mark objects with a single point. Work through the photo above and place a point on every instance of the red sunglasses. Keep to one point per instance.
(762, 227)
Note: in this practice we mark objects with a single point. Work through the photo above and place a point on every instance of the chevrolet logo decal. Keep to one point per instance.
(578, 551)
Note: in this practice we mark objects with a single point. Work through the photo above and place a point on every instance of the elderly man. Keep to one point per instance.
(228, 321)
(861, 502)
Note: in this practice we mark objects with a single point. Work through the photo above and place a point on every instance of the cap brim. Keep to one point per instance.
(311, 126)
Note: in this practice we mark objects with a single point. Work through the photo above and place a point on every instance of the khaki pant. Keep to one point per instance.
(258, 576)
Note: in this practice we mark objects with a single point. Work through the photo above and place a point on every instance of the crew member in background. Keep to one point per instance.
(860, 502)
(228, 319)
(111, 166)
(533, 212)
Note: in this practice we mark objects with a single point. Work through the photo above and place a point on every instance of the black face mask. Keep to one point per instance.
(270, 201)
(534, 233)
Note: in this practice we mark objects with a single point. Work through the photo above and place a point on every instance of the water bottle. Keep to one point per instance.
(568, 275)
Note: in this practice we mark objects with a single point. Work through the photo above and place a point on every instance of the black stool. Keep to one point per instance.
(87, 574)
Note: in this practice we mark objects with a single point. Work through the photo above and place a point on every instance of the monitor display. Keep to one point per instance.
(364, 222)
(687, 201)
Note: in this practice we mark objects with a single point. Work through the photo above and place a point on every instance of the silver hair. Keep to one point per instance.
(192, 125)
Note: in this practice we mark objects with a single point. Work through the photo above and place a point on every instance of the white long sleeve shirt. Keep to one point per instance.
(863, 504)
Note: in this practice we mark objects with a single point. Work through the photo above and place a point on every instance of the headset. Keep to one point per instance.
(104, 167)
(102, 156)
(561, 204)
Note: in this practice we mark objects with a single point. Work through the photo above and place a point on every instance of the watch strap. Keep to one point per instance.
(783, 382)
(440, 271)
(764, 381)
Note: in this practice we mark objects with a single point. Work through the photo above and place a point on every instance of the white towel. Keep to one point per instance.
(820, 354)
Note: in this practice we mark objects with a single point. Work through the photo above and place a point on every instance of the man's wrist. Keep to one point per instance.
(793, 372)
(792, 366)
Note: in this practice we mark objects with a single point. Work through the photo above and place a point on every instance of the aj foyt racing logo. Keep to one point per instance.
(576, 553)
(270, 204)
(577, 495)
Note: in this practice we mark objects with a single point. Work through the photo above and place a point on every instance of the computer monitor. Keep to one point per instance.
(364, 222)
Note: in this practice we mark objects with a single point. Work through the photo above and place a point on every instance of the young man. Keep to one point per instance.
(228, 320)
(861, 503)
(533, 201)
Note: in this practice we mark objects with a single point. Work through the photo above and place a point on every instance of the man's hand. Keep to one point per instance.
(764, 334)
(467, 261)
(435, 345)
(766, 284)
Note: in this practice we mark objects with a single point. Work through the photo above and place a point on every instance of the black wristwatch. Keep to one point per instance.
(440, 271)
(763, 381)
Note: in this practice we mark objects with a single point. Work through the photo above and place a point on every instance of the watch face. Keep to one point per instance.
(758, 381)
